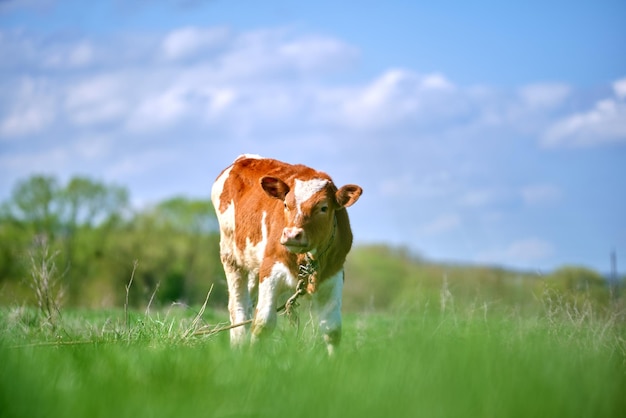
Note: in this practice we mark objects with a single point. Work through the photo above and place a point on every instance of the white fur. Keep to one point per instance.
(241, 289)
(304, 190)
(239, 298)
(269, 290)
(252, 156)
(239, 305)
(227, 221)
(327, 303)
(252, 255)
(218, 187)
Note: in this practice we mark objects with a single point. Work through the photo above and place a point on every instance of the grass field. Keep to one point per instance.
(413, 363)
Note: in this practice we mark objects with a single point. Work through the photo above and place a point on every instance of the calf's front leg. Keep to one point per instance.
(327, 303)
(269, 287)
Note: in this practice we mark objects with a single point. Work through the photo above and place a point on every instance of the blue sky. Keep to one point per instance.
(486, 133)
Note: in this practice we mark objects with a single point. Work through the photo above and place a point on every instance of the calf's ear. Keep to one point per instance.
(348, 195)
(274, 187)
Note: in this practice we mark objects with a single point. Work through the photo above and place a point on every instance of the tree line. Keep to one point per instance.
(89, 230)
(81, 241)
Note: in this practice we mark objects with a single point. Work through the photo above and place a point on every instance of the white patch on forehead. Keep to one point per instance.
(304, 190)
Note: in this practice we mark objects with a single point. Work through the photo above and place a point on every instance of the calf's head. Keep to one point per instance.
(309, 209)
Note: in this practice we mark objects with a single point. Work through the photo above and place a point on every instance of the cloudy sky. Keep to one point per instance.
(484, 132)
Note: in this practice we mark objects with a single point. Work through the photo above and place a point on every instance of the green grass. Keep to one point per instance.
(405, 364)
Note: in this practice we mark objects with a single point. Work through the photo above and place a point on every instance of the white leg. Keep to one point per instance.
(327, 303)
(265, 316)
(239, 305)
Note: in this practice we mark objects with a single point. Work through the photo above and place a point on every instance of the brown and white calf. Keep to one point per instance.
(273, 217)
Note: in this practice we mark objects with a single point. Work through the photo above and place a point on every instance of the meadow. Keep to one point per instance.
(421, 338)
(433, 358)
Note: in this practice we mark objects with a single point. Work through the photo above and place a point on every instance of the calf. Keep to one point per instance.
(276, 219)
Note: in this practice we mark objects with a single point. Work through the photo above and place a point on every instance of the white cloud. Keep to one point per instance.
(252, 80)
(525, 110)
(531, 249)
(540, 194)
(277, 55)
(220, 100)
(317, 53)
(26, 120)
(521, 253)
(134, 164)
(92, 148)
(32, 109)
(96, 99)
(397, 186)
(69, 56)
(186, 42)
(49, 160)
(409, 184)
(158, 111)
(545, 96)
(619, 87)
(441, 224)
(604, 123)
(436, 81)
(404, 98)
(478, 197)
(395, 97)
(81, 55)
(38, 5)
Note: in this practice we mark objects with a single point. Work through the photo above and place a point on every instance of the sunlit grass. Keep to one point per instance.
(412, 363)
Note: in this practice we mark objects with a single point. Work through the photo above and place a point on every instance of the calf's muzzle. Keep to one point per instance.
(294, 239)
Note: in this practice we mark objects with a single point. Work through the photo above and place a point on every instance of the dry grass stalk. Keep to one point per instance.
(156, 289)
(130, 283)
(45, 281)
(194, 324)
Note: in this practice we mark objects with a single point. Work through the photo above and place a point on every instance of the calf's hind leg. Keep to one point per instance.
(239, 303)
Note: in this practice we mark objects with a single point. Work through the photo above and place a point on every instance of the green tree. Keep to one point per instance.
(191, 216)
(89, 210)
(32, 211)
(35, 203)
(177, 246)
(87, 202)
(74, 219)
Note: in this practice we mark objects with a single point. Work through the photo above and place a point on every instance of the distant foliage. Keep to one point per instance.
(381, 277)
(95, 236)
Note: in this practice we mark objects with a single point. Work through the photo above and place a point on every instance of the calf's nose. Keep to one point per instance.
(293, 236)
